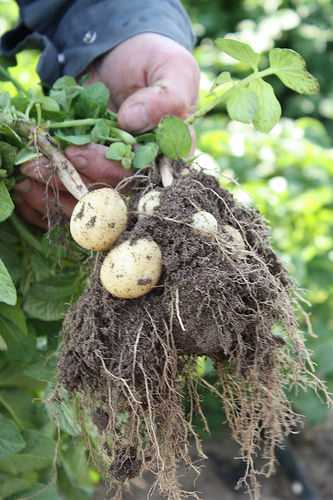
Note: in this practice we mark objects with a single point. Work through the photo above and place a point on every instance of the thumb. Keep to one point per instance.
(175, 93)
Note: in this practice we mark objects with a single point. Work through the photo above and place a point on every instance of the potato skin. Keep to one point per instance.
(149, 203)
(132, 269)
(98, 219)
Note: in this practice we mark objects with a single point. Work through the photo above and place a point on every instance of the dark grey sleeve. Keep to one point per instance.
(72, 33)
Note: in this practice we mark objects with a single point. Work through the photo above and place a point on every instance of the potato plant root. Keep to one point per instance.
(133, 362)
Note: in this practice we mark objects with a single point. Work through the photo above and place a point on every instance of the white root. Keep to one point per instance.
(166, 172)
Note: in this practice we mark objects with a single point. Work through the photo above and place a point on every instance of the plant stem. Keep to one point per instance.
(65, 170)
(221, 97)
(25, 234)
(5, 74)
(73, 123)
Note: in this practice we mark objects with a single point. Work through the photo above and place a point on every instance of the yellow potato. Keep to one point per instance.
(204, 222)
(148, 203)
(98, 219)
(132, 269)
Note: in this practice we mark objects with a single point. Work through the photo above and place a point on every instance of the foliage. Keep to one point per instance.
(286, 174)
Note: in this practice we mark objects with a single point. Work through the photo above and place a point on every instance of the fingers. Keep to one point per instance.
(41, 171)
(29, 214)
(172, 89)
(39, 198)
(91, 163)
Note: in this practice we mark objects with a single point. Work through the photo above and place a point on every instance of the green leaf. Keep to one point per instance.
(290, 67)
(268, 111)
(48, 300)
(43, 492)
(3, 345)
(4, 100)
(49, 104)
(92, 101)
(10, 134)
(240, 51)
(15, 316)
(242, 105)
(21, 346)
(6, 204)
(63, 414)
(7, 287)
(37, 454)
(174, 138)
(7, 155)
(11, 440)
(145, 154)
(78, 140)
(11, 485)
(117, 151)
(19, 405)
(224, 77)
(101, 130)
(65, 82)
(26, 154)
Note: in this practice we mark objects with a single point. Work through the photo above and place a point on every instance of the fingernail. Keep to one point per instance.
(24, 186)
(136, 117)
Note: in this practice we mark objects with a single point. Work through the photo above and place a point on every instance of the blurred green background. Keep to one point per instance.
(287, 174)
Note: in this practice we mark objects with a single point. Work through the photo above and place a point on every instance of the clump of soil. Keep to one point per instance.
(133, 362)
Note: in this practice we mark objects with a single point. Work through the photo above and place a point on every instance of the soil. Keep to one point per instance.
(226, 297)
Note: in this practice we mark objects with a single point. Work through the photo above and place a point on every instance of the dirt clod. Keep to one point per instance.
(136, 359)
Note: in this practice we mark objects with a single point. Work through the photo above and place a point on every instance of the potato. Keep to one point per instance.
(204, 222)
(132, 269)
(98, 219)
(233, 236)
(148, 203)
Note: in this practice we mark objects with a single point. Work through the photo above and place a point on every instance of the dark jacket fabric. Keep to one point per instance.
(72, 33)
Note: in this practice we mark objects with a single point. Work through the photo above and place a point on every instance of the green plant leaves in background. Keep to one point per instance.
(7, 287)
(240, 51)
(11, 440)
(268, 112)
(290, 67)
(242, 105)
(6, 203)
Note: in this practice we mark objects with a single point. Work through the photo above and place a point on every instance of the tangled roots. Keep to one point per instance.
(132, 361)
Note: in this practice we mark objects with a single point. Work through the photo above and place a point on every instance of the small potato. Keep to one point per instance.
(233, 236)
(204, 222)
(98, 219)
(132, 269)
(148, 203)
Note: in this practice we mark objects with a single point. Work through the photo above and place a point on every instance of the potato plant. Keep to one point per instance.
(139, 303)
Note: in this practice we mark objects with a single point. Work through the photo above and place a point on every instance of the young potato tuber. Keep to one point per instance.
(204, 222)
(148, 203)
(132, 269)
(233, 236)
(98, 219)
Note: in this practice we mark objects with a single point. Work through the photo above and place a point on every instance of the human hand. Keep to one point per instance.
(154, 77)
